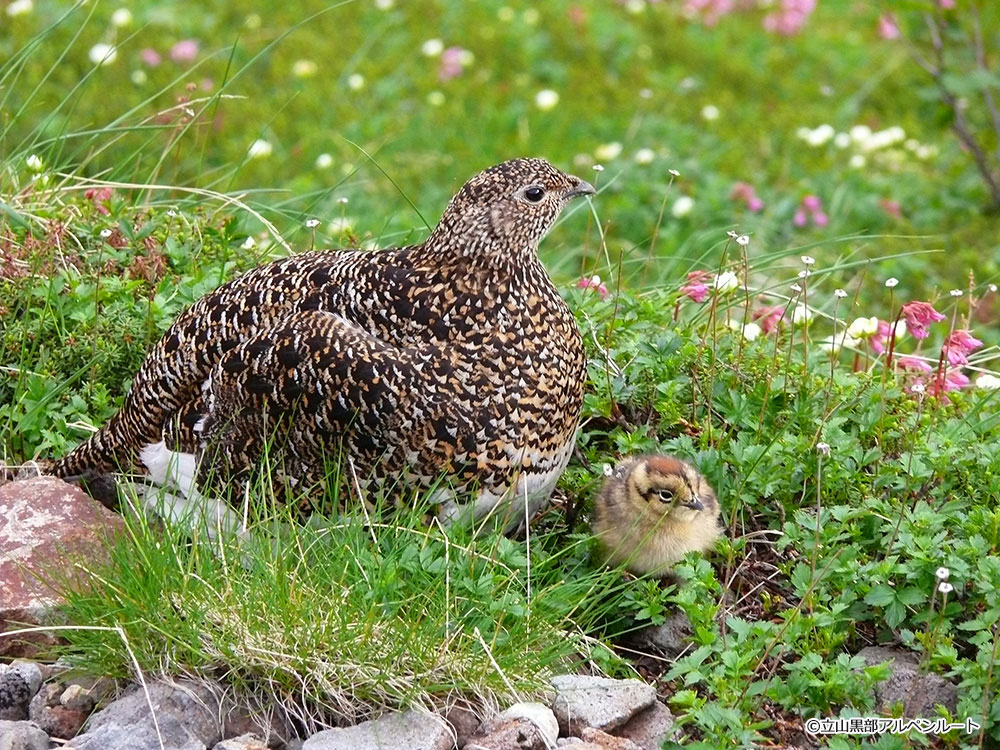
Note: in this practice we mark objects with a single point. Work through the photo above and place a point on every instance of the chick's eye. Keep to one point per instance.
(665, 496)
(534, 193)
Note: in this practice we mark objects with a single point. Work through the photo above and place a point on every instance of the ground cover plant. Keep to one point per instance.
(795, 289)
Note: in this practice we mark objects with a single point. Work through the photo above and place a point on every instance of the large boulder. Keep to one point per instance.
(598, 702)
(45, 524)
(410, 730)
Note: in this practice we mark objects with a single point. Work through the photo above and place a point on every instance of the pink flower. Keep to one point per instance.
(709, 10)
(953, 380)
(820, 219)
(594, 282)
(810, 207)
(185, 50)
(150, 57)
(912, 363)
(881, 337)
(696, 287)
(959, 345)
(790, 17)
(451, 63)
(887, 28)
(918, 316)
(812, 203)
(100, 198)
(946, 4)
(800, 219)
(744, 193)
(769, 317)
(891, 207)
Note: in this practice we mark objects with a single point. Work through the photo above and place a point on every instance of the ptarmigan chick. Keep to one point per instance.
(452, 359)
(653, 510)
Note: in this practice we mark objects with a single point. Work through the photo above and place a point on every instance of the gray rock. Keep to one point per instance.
(411, 730)
(187, 715)
(22, 735)
(19, 681)
(598, 702)
(606, 741)
(55, 719)
(649, 728)
(671, 638)
(917, 691)
(509, 734)
(464, 723)
(43, 523)
(77, 698)
(538, 713)
(243, 742)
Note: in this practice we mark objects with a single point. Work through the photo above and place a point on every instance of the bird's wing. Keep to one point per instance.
(320, 386)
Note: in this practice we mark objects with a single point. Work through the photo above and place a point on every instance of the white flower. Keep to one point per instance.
(801, 314)
(260, 149)
(955, 292)
(102, 54)
(139, 77)
(466, 57)
(304, 68)
(857, 161)
(34, 163)
(860, 132)
(674, 172)
(823, 449)
(891, 282)
(635, 6)
(546, 99)
(917, 388)
(20, 8)
(820, 135)
(341, 225)
(988, 382)
(804, 273)
(249, 243)
(795, 288)
(646, 93)
(731, 234)
(432, 47)
(727, 281)
(608, 151)
(863, 328)
(342, 201)
(808, 260)
(324, 161)
(842, 140)
(644, 156)
(942, 573)
(682, 206)
(435, 98)
(993, 287)
(710, 112)
(751, 331)
(121, 18)
(384, 4)
(105, 233)
(598, 167)
(945, 588)
(355, 81)
(835, 343)
(312, 223)
(743, 240)
(839, 293)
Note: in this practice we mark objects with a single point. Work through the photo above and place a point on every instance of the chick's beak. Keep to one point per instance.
(582, 188)
(695, 504)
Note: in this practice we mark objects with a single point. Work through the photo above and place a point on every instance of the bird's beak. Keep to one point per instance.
(582, 188)
(695, 504)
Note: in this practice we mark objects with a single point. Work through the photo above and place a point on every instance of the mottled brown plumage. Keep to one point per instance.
(453, 358)
(652, 511)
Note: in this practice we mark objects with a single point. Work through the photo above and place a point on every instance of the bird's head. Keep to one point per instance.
(507, 209)
(665, 486)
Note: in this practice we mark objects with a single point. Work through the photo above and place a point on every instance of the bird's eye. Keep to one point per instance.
(666, 496)
(534, 193)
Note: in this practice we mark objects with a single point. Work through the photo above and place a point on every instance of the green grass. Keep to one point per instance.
(826, 553)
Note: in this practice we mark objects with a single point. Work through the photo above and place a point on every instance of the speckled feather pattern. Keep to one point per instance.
(455, 357)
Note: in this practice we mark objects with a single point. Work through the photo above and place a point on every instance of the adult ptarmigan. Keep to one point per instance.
(453, 363)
